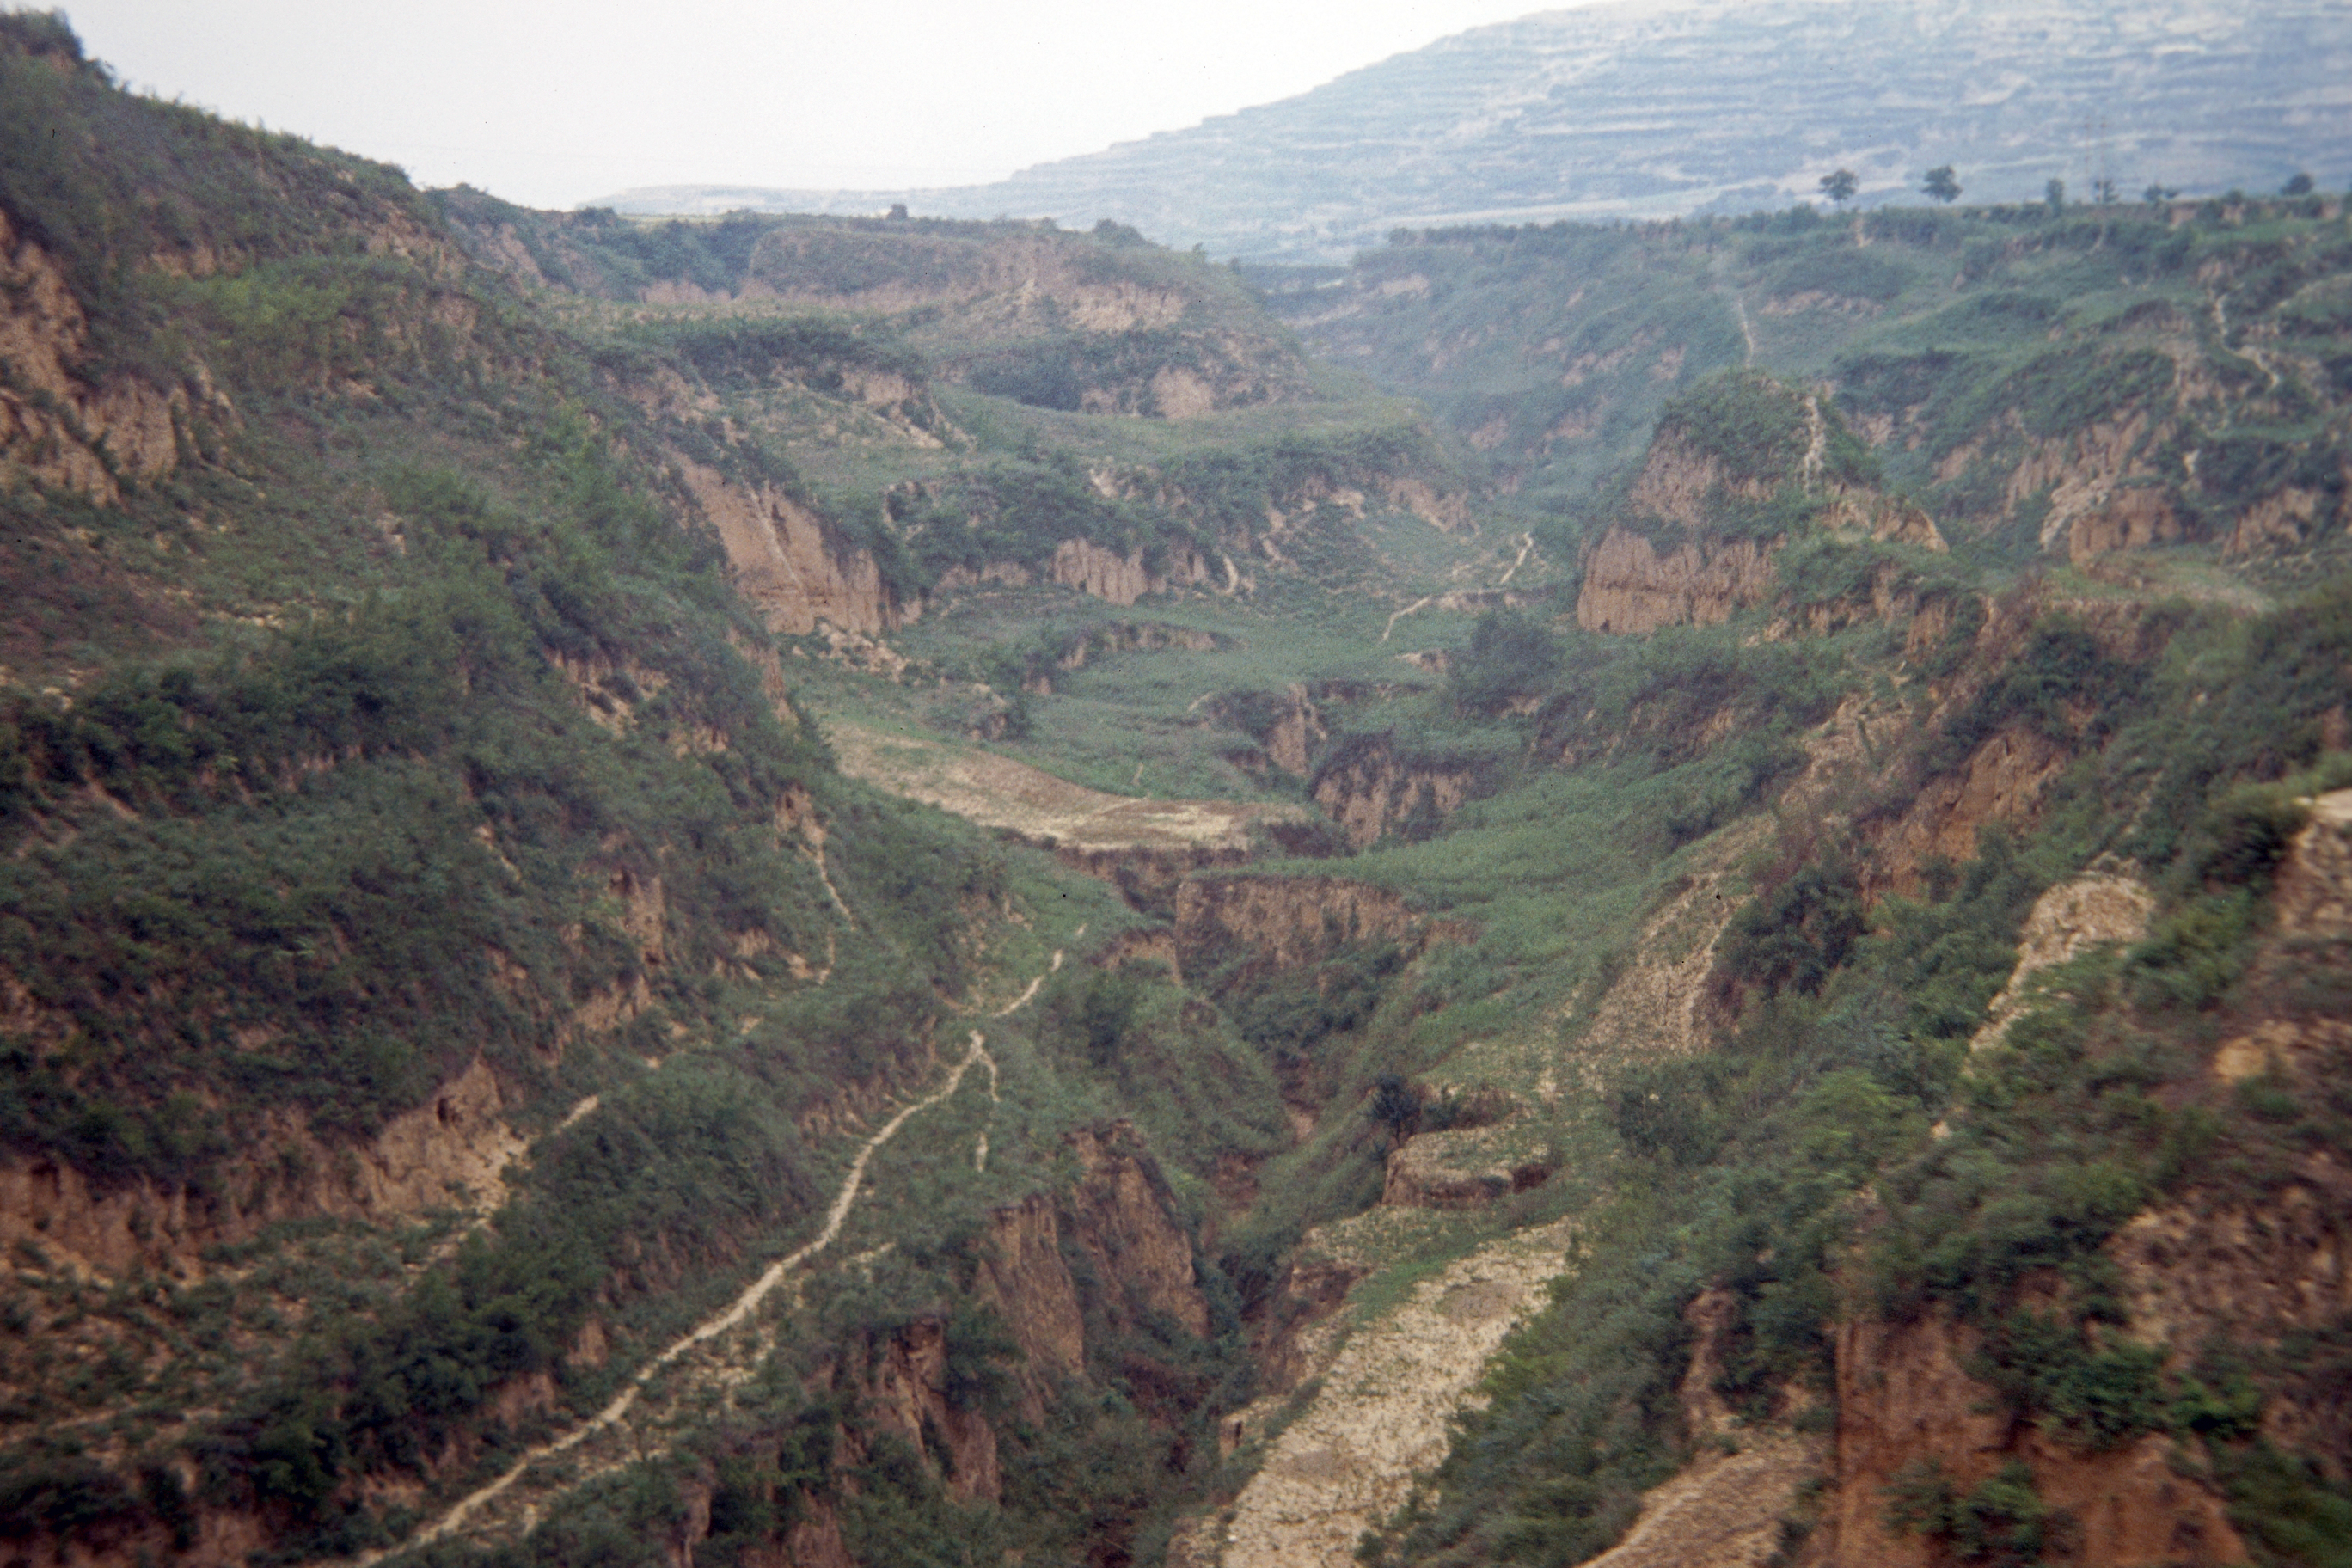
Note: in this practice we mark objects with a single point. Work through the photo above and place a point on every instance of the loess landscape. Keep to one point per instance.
(779, 890)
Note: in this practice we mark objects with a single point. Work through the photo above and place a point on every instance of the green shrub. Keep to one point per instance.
(2287, 1504)
(1753, 425)
(2002, 1522)
(1510, 655)
(1792, 938)
(1843, 271)
(2097, 1397)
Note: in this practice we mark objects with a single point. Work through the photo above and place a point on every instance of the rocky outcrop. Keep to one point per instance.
(786, 562)
(1631, 586)
(1905, 1401)
(1371, 791)
(2277, 522)
(1287, 922)
(1098, 571)
(450, 1152)
(2098, 909)
(56, 427)
(2129, 520)
(2002, 780)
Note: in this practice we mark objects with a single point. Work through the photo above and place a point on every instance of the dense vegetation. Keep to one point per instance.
(406, 733)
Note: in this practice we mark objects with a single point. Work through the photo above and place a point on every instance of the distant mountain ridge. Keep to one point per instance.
(1624, 110)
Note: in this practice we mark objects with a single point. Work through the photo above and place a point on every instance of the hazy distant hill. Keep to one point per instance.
(1624, 110)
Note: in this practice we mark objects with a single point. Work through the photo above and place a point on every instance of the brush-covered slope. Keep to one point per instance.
(1537, 1003)
(2046, 383)
(1634, 111)
(442, 969)
(968, 404)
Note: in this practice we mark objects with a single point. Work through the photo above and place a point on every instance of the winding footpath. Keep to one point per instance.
(734, 1315)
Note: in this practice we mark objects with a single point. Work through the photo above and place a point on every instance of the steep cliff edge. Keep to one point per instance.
(1103, 323)
(787, 563)
(1740, 468)
(1371, 791)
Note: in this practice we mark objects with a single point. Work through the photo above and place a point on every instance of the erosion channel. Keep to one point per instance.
(827, 892)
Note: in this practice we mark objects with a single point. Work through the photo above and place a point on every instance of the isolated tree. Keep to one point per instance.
(2054, 193)
(2155, 194)
(1511, 654)
(1942, 185)
(1840, 186)
(1394, 1106)
(2298, 186)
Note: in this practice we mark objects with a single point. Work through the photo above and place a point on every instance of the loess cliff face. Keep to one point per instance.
(452, 1153)
(1715, 502)
(1905, 1401)
(1288, 922)
(2215, 1266)
(454, 1006)
(1103, 573)
(2002, 781)
(1371, 791)
(1631, 585)
(787, 563)
(1109, 1250)
(56, 427)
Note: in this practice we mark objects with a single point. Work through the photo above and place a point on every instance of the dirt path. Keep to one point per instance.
(1526, 546)
(734, 1315)
(1417, 603)
(1817, 442)
(1020, 1002)
(1738, 307)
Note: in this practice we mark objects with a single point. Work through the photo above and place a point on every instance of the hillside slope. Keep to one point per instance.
(647, 918)
(1632, 112)
(440, 966)
(2043, 382)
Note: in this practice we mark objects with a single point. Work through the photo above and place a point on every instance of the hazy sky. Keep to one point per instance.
(554, 104)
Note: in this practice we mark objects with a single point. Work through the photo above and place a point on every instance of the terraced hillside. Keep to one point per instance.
(1640, 111)
(803, 891)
